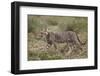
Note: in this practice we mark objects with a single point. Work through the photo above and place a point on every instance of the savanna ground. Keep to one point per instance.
(37, 45)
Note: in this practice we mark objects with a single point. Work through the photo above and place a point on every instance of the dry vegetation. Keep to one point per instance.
(37, 46)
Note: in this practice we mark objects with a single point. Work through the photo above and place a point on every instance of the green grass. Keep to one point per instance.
(37, 46)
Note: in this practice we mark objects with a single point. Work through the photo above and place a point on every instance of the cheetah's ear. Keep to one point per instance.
(45, 29)
(46, 33)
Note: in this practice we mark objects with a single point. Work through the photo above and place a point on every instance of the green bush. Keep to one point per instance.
(33, 24)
